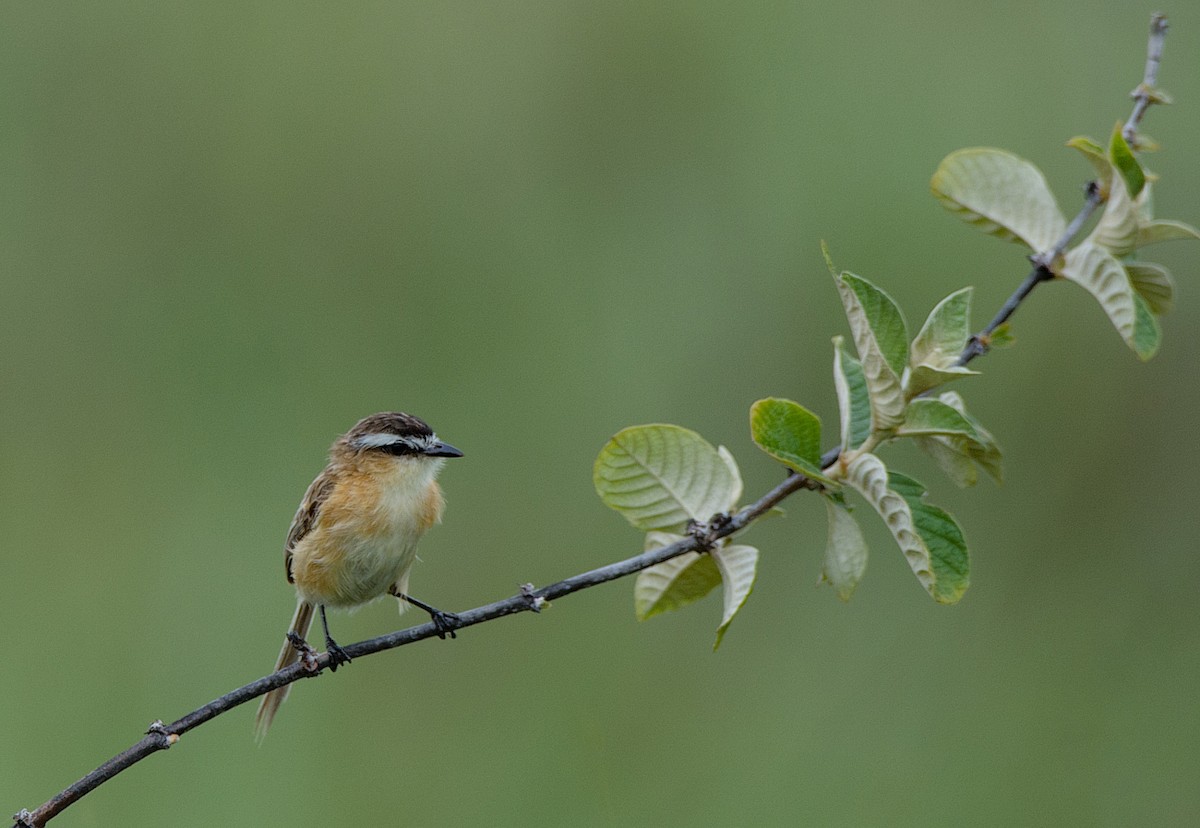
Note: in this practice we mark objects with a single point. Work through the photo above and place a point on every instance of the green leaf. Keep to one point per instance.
(1147, 332)
(1126, 163)
(1161, 230)
(929, 538)
(1154, 284)
(854, 401)
(1117, 229)
(1095, 269)
(845, 551)
(738, 566)
(661, 476)
(883, 317)
(1002, 337)
(833, 271)
(1096, 156)
(881, 338)
(790, 433)
(1001, 194)
(782, 427)
(869, 476)
(942, 537)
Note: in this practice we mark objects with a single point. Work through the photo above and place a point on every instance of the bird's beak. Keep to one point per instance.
(440, 449)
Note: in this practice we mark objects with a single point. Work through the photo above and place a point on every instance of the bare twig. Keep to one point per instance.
(160, 737)
(1145, 93)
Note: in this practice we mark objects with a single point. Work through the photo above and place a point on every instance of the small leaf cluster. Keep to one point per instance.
(664, 479)
(667, 480)
(1008, 197)
(888, 390)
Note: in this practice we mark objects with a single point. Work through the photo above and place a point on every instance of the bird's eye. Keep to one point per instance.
(399, 448)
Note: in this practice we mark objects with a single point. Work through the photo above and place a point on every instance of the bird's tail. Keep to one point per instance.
(270, 703)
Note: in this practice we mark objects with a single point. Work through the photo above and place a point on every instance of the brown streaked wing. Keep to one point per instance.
(306, 516)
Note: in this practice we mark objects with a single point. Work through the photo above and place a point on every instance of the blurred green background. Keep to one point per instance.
(229, 230)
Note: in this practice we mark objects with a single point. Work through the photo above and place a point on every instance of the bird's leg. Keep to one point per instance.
(337, 656)
(446, 622)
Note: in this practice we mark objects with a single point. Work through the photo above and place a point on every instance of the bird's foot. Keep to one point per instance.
(337, 656)
(446, 623)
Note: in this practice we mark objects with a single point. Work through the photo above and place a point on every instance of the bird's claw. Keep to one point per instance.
(337, 656)
(446, 623)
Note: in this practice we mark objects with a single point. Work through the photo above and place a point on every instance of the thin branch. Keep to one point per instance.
(160, 737)
(1043, 271)
(1044, 262)
(1145, 94)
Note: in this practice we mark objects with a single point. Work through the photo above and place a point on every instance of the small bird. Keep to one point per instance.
(354, 537)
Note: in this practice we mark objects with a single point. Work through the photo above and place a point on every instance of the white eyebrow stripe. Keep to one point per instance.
(379, 440)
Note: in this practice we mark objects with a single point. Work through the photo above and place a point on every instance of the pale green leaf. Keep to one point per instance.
(945, 332)
(1096, 156)
(854, 401)
(1153, 283)
(982, 449)
(675, 583)
(1161, 230)
(951, 456)
(869, 476)
(738, 566)
(1117, 229)
(662, 476)
(926, 417)
(1145, 205)
(1001, 194)
(735, 493)
(672, 584)
(845, 551)
(924, 377)
(881, 338)
(1095, 269)
(951, 437)
(1126, 163)
(942, 537)
(958, 457)
(1146, 144)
